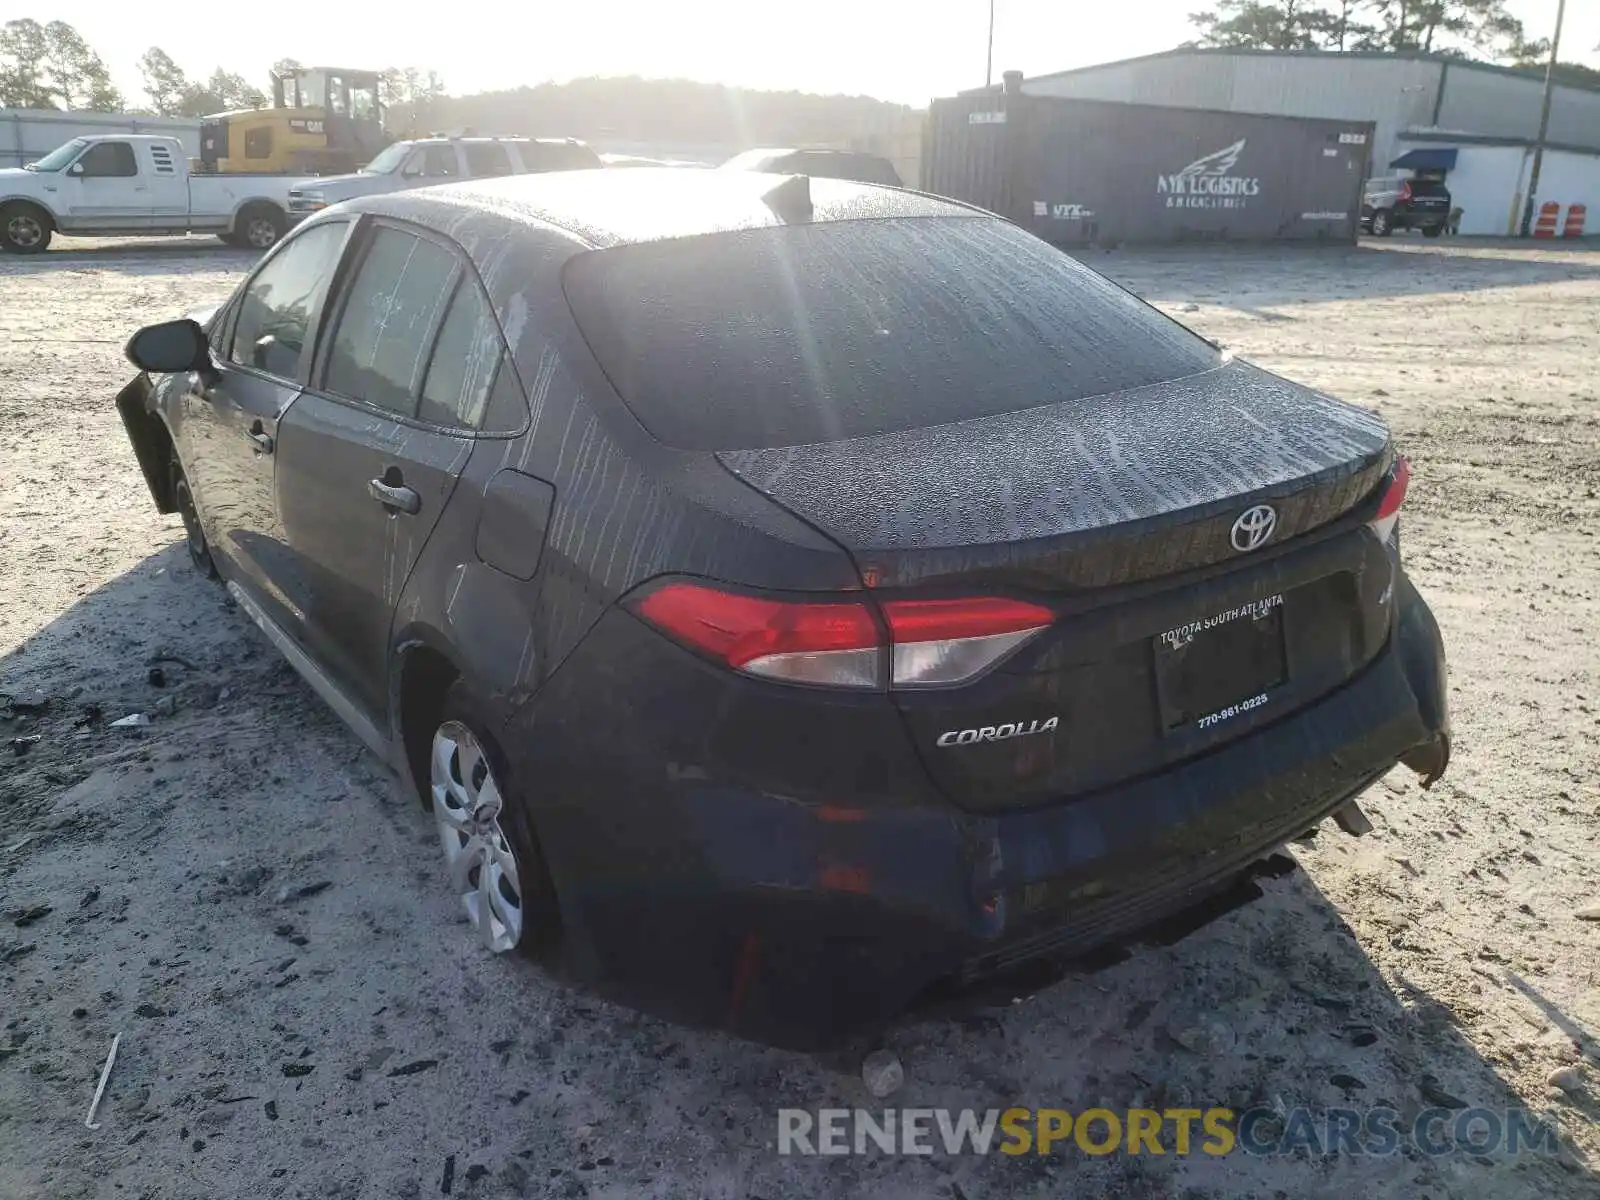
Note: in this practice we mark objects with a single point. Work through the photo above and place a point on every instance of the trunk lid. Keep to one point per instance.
(1118, 512)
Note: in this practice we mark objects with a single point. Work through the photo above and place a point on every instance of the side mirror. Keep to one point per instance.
(169, 348)
(75, 169)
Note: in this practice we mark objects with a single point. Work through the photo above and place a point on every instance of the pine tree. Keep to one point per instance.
(164, 82)
(23, 81)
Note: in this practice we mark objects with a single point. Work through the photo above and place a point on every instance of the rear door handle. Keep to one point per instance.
(395, 497)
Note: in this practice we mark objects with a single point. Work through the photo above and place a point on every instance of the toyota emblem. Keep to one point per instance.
(1254, 527)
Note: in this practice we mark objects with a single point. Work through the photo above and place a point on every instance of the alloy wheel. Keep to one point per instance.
(467, 805)
(260, 232)
(24, 231)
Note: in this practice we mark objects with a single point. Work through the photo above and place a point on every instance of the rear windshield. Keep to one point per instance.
(1428, 187)
(812, 333)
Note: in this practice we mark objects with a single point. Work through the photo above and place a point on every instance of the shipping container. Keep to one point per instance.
(1079, 171)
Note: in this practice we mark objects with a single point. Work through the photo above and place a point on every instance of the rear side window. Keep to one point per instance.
(390, 312)
(558, 156)
(465, 359)
(486, 160)
(276, 307)
(258, 143)
(813, 333)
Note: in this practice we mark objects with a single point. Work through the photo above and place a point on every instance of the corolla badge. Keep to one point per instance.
(997, 733)
(1253, 527)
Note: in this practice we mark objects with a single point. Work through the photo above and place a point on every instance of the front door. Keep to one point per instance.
(229, 436)
(104, 189)
(369, 456)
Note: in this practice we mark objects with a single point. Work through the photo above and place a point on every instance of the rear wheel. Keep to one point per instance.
(194, 536)
(260, 226)
(25, 228)
(486, 833)
(1382, 223)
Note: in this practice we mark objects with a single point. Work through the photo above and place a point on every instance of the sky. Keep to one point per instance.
(904, 50)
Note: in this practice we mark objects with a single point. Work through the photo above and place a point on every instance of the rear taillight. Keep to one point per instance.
(1405, 191)
(950, 641)
(843, 643)
(1394, 494)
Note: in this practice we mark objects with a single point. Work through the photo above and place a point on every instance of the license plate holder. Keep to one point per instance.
(1214, 674)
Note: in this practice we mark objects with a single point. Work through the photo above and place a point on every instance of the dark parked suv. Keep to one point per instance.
(791, 597)
(1392, 202)
(821, 164)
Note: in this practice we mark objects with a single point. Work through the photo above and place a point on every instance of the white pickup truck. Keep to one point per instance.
(126, 184)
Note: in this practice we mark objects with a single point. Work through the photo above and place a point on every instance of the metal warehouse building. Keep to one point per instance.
(1474, 121)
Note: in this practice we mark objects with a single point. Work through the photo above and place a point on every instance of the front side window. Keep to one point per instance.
(109, 160)
(434, 162)
(364, 102)
(275, 309)
(389, 316)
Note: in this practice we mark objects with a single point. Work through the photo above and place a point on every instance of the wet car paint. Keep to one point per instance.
(780, 861)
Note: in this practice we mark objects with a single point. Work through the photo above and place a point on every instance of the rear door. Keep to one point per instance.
(370, 455)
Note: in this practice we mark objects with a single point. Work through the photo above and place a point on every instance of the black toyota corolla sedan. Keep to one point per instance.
(793, 597)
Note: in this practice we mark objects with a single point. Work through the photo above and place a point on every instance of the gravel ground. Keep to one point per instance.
(243, 893)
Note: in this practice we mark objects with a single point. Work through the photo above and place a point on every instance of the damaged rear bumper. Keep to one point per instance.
(799, 925)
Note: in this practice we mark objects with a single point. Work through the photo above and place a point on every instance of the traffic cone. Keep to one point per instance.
(1574, 222)
(1545, 227)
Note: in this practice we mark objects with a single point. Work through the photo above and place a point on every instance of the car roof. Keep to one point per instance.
(609, 207)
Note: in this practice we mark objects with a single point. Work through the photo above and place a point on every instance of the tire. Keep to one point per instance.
(25, 228)
(193, 535)
(462, 756)
(1382, 223)
(260, 226)
(1432, 230)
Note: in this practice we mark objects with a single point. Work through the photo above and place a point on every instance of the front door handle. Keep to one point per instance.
(395, 497)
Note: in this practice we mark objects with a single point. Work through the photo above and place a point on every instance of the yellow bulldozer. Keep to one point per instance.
(323, 121)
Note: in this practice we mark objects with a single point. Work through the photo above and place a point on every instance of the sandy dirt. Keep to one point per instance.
(246, 896)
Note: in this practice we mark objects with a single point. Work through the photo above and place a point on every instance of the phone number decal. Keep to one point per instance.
(1233, 710)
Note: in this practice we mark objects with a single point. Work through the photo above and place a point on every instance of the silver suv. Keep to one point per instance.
(425, 161)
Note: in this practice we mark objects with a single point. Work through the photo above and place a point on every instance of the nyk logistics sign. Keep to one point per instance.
(1208, 182)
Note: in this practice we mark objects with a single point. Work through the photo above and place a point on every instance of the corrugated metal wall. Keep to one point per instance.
(1494, 105)
(27, 134)
(1394, 93)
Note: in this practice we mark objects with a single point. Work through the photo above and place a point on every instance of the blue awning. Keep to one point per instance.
(1432, 159)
